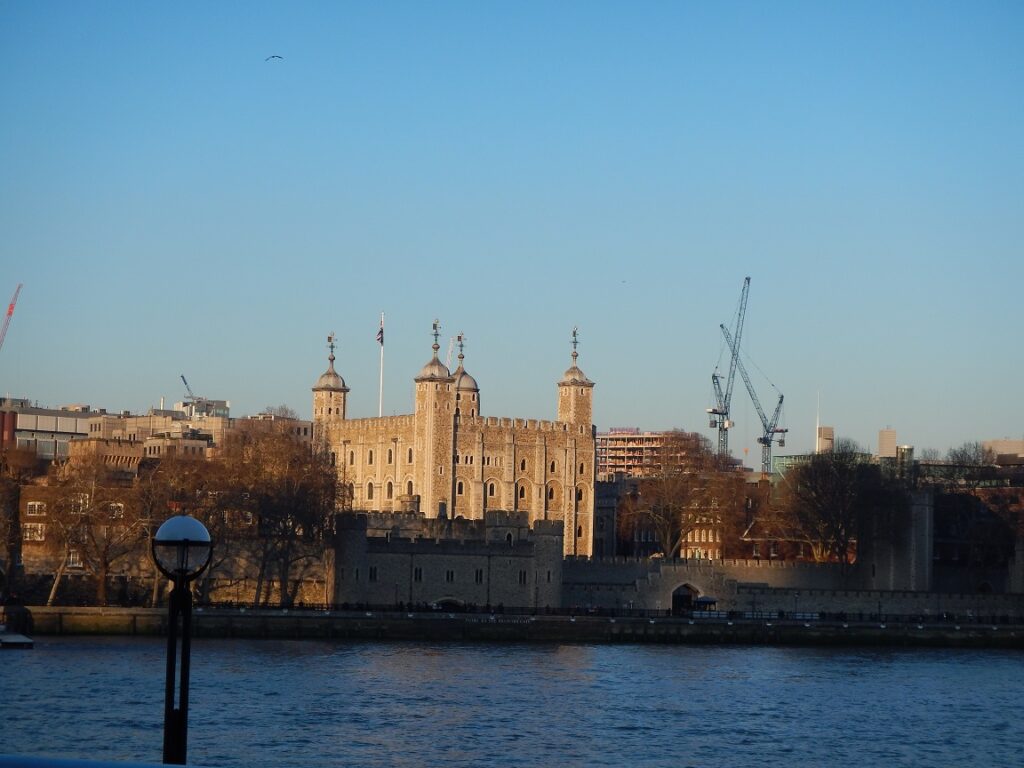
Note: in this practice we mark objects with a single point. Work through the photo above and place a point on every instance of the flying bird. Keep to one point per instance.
(275, 56)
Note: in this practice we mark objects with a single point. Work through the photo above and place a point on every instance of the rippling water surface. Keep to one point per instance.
(305, 703)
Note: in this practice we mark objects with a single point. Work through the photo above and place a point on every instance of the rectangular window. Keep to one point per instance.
(35, 508)
(549, 577)
(74, 559)
(79, 503)
(417, 575)
(522, 577)
(116, 510)
(33, 532)
(373, 573)
(479, 575)
(449, 577)
(357, 575)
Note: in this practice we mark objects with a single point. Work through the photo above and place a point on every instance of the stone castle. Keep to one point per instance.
(448, 460)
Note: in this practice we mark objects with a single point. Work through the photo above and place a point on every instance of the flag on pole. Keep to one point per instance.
(380, 333)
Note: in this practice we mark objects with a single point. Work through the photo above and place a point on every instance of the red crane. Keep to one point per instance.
(10, 312)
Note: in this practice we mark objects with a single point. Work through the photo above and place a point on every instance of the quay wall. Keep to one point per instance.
(464, 627)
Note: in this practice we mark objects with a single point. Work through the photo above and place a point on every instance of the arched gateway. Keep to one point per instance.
(684, 598)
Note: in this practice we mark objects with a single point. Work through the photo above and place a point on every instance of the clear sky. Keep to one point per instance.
(175, 203)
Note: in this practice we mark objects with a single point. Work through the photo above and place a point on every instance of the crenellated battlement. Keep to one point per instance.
(383, 423)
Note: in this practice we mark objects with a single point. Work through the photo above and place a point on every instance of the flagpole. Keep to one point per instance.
(380, 397)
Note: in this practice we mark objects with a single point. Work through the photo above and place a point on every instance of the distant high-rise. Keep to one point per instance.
(887, 443)
(826, 439)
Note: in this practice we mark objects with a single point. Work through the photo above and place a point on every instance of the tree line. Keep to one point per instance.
(267, 498)
(818, 510)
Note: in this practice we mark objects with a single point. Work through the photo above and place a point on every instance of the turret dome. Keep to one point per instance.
(463, 381)
(330, 379)
(434, 369)
(575, 377)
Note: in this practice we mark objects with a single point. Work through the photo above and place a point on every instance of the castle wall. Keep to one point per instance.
(762, 586)
(497, 561)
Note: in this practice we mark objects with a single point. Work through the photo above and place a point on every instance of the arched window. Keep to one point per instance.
(408, 488)
(490, 489)
(579, 494)
(458, 488)
(522, 465)
(391, 490)
(369, 491)
(351, 457)
(522, 492)
(391, 456)
(579, 532)
(369, 457)
(508, 538)
(583, 469)
(552, 467)
(410, 456)
(551, 493)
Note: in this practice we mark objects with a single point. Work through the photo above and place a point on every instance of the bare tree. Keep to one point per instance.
(291, 492)
(281, 411)
(97, 517)
(686, 489)
(969, 466)
(830, 497)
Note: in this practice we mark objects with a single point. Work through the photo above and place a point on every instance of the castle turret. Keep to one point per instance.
(575, 393)
(435, 414)
(329, 395)
(467, 392)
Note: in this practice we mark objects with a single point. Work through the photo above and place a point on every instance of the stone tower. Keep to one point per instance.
(575, 393)
(576, 409)
(434, 434)
(329, 396)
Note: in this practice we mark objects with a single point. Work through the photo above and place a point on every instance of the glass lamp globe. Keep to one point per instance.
(182, 547)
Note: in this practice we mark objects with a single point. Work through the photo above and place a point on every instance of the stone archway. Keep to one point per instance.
(683, 598)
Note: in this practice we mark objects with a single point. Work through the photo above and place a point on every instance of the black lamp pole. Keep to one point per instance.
(176, 719)
(181, 550)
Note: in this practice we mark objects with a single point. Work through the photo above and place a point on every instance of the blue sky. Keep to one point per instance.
(176, 204)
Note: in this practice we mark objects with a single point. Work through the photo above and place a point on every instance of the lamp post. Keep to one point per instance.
(181, 550)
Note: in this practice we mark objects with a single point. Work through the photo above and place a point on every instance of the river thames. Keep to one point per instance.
(308, 703)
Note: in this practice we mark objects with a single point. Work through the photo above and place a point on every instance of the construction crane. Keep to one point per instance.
(10, 313)
(772, 432)
(191, 395)
(719, 415)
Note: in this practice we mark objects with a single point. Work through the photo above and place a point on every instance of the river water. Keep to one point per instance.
(307, 703)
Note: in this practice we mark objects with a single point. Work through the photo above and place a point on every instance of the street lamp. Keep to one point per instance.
(181, 550)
